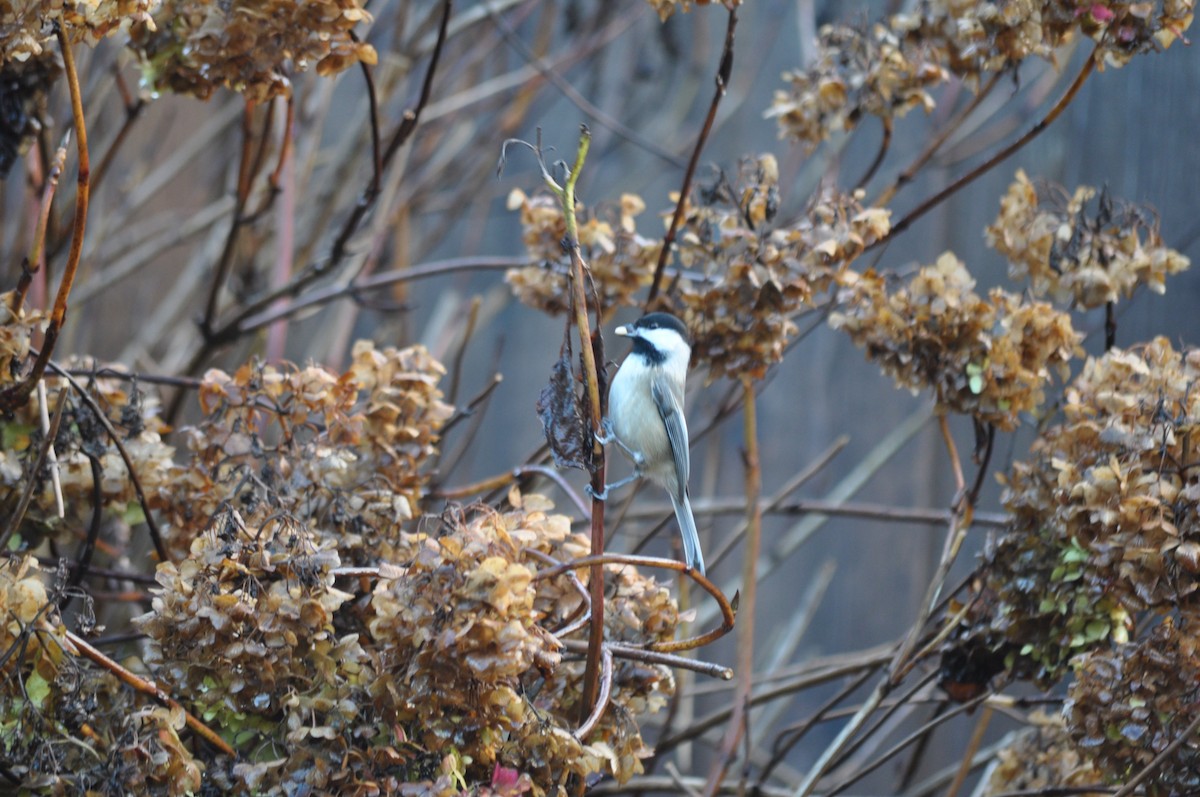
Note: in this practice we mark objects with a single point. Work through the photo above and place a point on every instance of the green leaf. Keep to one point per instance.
(38, 689)
(133, 513)
(975, 378)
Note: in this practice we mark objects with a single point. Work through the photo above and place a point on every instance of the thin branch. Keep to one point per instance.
(156, 538)
(232, 329)
(31, 265)
(884, 144)
(82, 647)
(18, 394)
(817, 506)
(581, 102)
(606, 673)
(936, 142)
(655, 657)
(968, 178)
(133, 111)
(238, 218)
(727, 613)
(1147, 771)
(722, 81)
(739, 722)
(382, 279)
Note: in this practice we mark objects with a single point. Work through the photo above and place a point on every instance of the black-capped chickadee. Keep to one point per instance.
(645, 408)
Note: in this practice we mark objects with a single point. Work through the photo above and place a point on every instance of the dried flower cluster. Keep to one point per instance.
(1076, 256)
(16, 333)
(752, 277)
(446, 671)
(1128, 705)
(621, 260)
(68, 728)
(447, 674)
(467, 645)
(857, 73)
(27, 25)
(252, 46)
(889, 69)
(243, 633)
(84, 447)
(989, 358)
(743, 277)
(1042, 758)
(1105, 517)
(308, 442)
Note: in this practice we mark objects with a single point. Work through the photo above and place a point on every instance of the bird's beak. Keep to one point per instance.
(624, 331)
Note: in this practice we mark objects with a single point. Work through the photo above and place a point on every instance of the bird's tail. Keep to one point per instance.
(687, 527)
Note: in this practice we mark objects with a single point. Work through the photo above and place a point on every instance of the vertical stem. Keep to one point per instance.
(591, 381)
(19, 394)
(739, 718)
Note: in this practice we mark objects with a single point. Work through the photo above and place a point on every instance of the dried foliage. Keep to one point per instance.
(24, 85)
(1080, 257)
(27, 25)
(989, 358)
(1043, 757)
(83, 440)
(308, 442)
(66, 728)
(466, 638)
(1128, 705)
(620, 259)
(251, 46)
(342, 639)
(857, 73)
(887, 70)
(1106, 522)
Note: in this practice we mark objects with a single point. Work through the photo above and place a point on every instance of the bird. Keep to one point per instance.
(646, 420)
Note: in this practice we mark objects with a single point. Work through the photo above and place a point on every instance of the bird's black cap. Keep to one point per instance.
(662, 321)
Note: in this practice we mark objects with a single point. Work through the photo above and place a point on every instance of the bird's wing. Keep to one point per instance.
(671, 410)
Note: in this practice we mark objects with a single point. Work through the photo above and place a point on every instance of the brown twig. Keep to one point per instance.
(722, 81)
(941, 719)
(880, 155)
(584, 612)
(964, 767)
(954, 187)
(936, 142)
(606, 673)
(817, 506)
(241, 197)
(739, 721)
(160, 547)
(1147, 771)
(82, 647)
(31, 265)
(133, 111)
(18, 394)
(655, 657)
(382, 279)
(232, 329)
(727, 613)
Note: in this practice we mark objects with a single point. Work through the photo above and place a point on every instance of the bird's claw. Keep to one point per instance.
(606, 434)
(597, 496)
